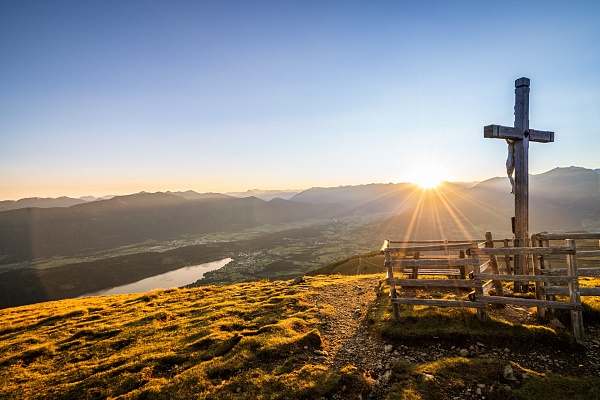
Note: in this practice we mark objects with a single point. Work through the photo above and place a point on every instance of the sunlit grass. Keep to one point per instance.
(214, 342)
(249, 340)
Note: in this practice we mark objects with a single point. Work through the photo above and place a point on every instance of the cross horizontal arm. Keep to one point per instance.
(541, 136)
(507, 132)
(502, 132)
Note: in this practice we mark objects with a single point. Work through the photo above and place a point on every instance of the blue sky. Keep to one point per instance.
(115, 97)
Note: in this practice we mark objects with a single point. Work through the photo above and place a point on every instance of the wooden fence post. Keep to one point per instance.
(390, 277)
(462, 268)
(537, 270)
(489, 242)
(481, 313)
(415, 271)
(574, 295)
(545, 263)
(509, 267)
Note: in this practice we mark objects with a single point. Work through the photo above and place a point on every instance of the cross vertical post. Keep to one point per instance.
(518, 138)
(521, 191)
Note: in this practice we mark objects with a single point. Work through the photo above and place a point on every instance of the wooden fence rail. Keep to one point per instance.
(447, 264)
(542, 265)
(489, 271)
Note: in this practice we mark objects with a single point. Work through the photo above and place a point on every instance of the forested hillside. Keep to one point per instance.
(32, 233)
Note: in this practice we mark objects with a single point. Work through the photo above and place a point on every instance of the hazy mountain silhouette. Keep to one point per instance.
(32, 233)
(191, 195)
(562, 199)
(266, 194)
(94, 198)
(39, 202)
(374, 198)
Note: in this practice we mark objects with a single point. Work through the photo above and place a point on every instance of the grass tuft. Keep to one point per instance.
(250, 340)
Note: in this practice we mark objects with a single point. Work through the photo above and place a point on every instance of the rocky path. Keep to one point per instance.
(348, 339)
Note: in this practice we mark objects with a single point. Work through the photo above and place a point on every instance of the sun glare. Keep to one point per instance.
(427, 176)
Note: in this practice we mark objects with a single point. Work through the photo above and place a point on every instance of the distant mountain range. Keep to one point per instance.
(560, 199)
(563, 199)
(266, 194)
(376, 197)
(49, 202)
(31, 233)
(39, 202)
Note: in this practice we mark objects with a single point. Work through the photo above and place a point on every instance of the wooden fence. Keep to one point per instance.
(407, 258)
(587, 256)
(570, 278)
(422, 263)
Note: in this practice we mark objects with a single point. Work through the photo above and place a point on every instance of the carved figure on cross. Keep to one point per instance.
(518, 138)
(510, 164)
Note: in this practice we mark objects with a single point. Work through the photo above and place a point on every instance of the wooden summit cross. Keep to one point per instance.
(518, 138)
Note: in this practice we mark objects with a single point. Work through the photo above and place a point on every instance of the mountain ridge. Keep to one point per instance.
(570, 195)
(31, 233)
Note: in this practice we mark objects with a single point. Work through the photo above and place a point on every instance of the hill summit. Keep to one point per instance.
(323, 337)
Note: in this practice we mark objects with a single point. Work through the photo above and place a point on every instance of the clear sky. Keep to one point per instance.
(116, 97)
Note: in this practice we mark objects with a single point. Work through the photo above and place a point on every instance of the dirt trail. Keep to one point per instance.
(349, 339)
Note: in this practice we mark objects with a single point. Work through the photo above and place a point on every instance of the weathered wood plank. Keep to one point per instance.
(438, 263)
(415, 272)
(500, 251)
(521, 187)
(555, 271)
(442, 257)
(537, 265)
(502, 132)
(393, 294)
(438, 241)
(526, 302)
(565, 236)
(533, 278)
(440, 303)
(487, 287)
(451, 283)
(493, 262)
(481, 312)
(484, 267)
(433, 247)
(507, 257)
(511, 133)
(580, 271)
(588, 253)
(541, 136)
(574, 295)
(564, 290)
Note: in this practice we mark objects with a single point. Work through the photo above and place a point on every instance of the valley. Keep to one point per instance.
(280, 251)
(64, 252)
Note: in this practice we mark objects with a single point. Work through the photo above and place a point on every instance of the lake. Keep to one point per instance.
(177, 278)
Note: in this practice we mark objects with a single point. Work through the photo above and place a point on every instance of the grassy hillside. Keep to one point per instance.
(367, 263)
(208, 342)
(273, 340)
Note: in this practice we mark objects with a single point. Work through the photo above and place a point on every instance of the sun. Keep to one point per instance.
(427, 176)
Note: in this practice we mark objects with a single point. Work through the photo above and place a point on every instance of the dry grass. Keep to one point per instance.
(250, 340)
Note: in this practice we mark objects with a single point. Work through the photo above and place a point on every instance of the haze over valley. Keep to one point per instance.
(49, 253)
